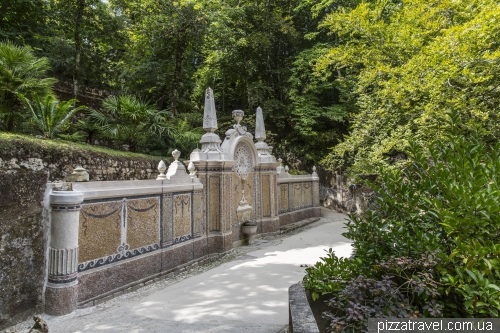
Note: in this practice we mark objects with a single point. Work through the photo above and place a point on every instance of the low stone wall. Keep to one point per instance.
(125, 232)
(301, 317)
(297, 198)
(26, 165)
(57, 160)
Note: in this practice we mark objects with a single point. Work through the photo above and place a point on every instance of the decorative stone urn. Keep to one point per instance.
(249, 228)
(238, 116)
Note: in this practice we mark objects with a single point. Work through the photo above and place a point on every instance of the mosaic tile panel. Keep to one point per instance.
(204, 208)
(307, 194)
(182, 215)
(274, 195)
(167, 219)
(297, 195)
(143, 222)
(257, 195)
(227, 200)
(197, 213)
(249, 195)
(266, 196)
(213, 203)
(291, 203)
(283, 197)
(100, 230)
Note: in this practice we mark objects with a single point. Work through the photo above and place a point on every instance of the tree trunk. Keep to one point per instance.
(80, 5)
(179, 54)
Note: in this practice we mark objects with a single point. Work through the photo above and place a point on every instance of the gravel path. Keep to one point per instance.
(245, 291)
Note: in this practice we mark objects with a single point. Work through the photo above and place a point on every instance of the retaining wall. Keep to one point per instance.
(26, 165)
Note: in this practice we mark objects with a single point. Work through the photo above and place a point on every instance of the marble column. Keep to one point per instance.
(61, 295)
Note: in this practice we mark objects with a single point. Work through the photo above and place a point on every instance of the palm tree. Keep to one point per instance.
(21, 72)
(132, 120)
(90, 127)
(50, 115)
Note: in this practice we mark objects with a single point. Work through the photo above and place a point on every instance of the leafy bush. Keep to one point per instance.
(48, 115)
(21, 72)
(445, 204)
(328, 275)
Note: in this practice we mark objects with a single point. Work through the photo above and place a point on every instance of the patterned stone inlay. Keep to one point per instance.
(249, 194)
(100, 230)
(197, 213)
(182, 215)
(167, 219)
(143, 222)
(274, 190)
(297, 195)
(307, 194)
(214, 203)
(266, 196)
(227, 200)
(244, 161)
(283, 197)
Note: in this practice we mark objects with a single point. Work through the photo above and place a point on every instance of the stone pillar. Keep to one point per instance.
(315, 188)
(61, 295)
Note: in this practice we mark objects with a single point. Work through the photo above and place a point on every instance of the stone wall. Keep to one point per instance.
(23, 239)
(25, 167)
(59, 160)
(348, 198)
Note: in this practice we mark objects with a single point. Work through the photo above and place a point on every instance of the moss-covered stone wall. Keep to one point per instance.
(26, 165)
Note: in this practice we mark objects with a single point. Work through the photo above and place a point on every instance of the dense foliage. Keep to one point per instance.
(361, 77)
(363, 86)
(252, 53)
(407, 62)
(433, 240)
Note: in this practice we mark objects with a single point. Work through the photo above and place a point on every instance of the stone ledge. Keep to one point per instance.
(301, 318)
(296, 225)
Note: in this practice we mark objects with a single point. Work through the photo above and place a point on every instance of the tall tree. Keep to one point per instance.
(164, 37)
(86, 43)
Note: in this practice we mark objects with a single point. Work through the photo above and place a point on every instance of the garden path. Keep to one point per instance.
(247, 293)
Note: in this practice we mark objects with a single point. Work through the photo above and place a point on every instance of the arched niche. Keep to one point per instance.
(244, 154)
(240, 149)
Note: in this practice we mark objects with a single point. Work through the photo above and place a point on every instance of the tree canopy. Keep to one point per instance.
(344, 82)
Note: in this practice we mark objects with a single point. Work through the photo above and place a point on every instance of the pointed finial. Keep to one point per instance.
(260, 130)
(209, 114)
(314, 171)
(176, 154)
(280, 166)
(191, 169)
(286, 168)
(161, 168)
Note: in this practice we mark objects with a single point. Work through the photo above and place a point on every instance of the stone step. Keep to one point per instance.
(296, 225)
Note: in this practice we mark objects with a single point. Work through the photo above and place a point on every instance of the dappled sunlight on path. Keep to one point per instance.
(248, 294)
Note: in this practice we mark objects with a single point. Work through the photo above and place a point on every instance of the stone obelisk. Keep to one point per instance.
(260, 134)
(210, 142)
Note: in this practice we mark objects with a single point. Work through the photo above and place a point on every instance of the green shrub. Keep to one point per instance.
(445, 203)
(329, 275)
